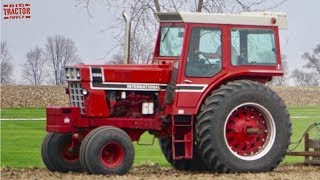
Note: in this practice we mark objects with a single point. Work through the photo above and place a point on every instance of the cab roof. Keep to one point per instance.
(244, 18)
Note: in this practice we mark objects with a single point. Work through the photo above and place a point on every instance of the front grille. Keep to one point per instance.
(76, 96)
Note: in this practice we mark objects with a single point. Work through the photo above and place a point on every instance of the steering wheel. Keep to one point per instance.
(198, 53)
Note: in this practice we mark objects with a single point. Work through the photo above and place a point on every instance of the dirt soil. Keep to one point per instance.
(156, 172)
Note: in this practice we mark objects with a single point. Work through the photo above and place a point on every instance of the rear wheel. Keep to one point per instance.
(195, 164)
(60, 154)
(243, 127)
(107, 150)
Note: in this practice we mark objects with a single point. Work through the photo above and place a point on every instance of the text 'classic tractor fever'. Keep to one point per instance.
(204, 96)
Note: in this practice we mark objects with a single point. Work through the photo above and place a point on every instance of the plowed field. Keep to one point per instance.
(164, 173)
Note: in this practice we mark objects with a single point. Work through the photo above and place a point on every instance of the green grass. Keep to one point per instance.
(21, 140)
(23, 113)
(311, 111)
(21, 145)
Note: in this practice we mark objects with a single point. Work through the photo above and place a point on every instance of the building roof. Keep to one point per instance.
(244, 18)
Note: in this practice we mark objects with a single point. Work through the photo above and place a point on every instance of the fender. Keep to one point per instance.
(262, 76)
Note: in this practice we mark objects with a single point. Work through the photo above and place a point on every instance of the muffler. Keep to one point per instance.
(127, 38)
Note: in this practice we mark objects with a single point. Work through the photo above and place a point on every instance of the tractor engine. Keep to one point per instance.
(132, 103)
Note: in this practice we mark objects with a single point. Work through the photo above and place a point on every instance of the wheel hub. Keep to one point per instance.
(112, 155)
(248, 130)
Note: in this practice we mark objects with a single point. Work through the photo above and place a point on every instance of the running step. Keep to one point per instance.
(182, 157)
(182, 141)
(182, 125)
(186, 141)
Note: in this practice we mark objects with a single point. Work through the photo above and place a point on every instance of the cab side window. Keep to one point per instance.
(256, 47)
(204, 52)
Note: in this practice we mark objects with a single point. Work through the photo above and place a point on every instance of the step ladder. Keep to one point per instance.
(182, 138)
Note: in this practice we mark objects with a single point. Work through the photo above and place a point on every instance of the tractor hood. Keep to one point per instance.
(124, 76)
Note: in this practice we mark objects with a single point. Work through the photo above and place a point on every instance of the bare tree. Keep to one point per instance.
(6, 65)
(59, 51)
(144, 26)
(34, 67)
(312, 77)
(116, 59)
(304, 78)
(313, 60)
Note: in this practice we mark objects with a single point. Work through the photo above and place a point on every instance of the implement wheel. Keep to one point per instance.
(60, 154)
(243, 127)
(107, 150)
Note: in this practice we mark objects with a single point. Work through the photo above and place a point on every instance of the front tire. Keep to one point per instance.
(58, 154)
(107, 150)
(243, 127)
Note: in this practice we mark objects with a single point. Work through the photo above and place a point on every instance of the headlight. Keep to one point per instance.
(85, 92)
(67, 73)
(72, 73)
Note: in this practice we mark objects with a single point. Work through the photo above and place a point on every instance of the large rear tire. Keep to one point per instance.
(57, 154)
(195, 164)
(107, 150)
(243, 127)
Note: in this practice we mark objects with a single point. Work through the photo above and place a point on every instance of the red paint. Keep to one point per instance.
(147, 73)
(112, 155)
(238, 134)
(56, 118)
(96, 103)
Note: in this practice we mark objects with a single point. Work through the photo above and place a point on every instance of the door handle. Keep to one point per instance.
(187, 81)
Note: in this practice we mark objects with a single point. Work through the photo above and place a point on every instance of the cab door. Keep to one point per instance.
(202, 63)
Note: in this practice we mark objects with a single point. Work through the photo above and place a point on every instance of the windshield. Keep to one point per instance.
(171, 41)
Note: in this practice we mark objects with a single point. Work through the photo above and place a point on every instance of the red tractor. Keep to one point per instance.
(204, 97)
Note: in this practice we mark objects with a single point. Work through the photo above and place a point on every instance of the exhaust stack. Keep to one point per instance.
(127, 38)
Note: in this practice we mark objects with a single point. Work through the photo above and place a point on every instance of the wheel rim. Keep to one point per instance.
(249, 131)
(112, 154)
(69, 153)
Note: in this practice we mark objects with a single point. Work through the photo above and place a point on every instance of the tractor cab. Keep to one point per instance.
(208, 50)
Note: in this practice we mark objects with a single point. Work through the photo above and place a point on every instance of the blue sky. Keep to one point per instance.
(64, 17)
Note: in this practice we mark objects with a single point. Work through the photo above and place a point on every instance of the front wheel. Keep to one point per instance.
(107, 150)
(60, 154)
(243, 127)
